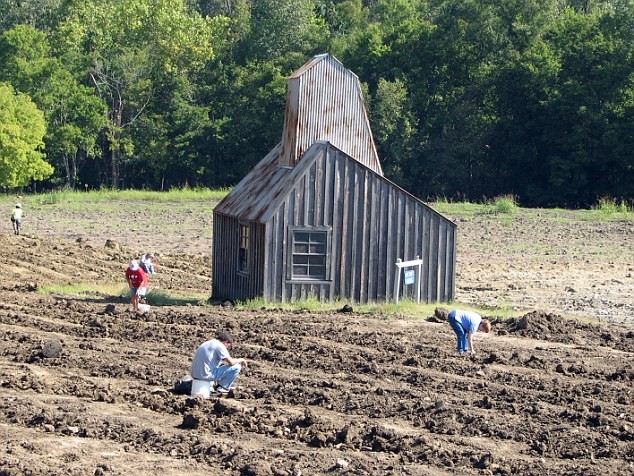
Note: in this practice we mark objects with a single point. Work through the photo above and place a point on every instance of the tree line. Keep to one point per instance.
(467, 99)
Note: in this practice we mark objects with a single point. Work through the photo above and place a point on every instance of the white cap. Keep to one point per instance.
(134, 265)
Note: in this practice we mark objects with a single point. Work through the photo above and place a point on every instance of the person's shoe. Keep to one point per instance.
(222, 390)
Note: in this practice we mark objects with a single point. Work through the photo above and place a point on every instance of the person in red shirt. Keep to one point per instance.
(137, 280)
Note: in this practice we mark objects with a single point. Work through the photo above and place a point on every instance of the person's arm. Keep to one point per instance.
(231, 361)
(470, 340)
(143, 282)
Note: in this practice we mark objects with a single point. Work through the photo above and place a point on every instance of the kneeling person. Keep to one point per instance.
(213, 368)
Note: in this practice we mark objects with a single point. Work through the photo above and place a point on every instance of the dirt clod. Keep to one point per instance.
(52, 348)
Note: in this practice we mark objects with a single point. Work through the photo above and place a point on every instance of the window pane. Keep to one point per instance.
(301, 259)
(301, 248)
(318, 237)
(316, 273)
(300, 270)
(242, 260)
(318, 249)
(243, 250)
(301, 237)
(309, 254)
(317, 260)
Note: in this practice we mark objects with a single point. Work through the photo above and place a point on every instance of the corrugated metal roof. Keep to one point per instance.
(259, 194)
(325, 102)
(257, 190)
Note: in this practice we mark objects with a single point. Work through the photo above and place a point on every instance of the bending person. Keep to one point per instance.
(465, 324)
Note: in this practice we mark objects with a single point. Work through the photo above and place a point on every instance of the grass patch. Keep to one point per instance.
(161, 298)
(505, 208)
(609, 208)
(85, 289)
(505, 204)
(117, 292)
(404, 308)
(462, 209)
(110, 195)
(310, 303)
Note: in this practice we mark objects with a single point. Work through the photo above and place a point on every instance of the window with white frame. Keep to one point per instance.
(309, 254)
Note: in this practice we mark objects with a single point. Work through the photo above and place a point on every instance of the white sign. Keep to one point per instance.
(410, 276)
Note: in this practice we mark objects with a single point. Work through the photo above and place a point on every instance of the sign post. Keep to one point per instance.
(410, 276)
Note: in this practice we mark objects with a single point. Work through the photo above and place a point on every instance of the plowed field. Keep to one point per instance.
(86, 384)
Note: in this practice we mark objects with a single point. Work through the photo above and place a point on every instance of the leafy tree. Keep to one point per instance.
(128, 45)
(279, 27)
(22, 128)
(248, 122)
(565, 123)
(467, 98)
(74, 115)
(40, 14)
(395, 128)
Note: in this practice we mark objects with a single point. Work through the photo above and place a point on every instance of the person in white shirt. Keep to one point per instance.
(16, 218)
(146, 263)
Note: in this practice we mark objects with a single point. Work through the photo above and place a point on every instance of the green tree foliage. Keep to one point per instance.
(74, 115)
(22, 129)
(40, 14)
(129, 47)
(565, 111)
(395, 128)
(278, 27)
(467, 98)
(246, 119)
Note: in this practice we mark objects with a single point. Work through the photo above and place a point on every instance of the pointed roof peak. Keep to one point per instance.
(324, 101)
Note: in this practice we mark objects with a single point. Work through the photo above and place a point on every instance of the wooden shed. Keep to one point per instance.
(317, 217)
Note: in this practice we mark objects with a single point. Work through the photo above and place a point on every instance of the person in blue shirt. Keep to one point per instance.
(465, 324)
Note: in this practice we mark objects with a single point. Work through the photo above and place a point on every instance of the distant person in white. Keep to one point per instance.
(16, 218)
(213, 364)
(146, 263)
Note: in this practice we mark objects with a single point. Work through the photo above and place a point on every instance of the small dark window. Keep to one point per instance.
(243, 251)
(309, 254)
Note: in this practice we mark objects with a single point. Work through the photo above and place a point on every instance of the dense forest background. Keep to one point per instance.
(467, 98)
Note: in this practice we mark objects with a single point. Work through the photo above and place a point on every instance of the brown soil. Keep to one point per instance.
(85, 384)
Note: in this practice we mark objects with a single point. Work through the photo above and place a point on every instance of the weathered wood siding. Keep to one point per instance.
(373, 224)
(227, 281)
(325, 173)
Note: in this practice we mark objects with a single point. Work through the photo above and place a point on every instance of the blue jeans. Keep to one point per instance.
(463, 343)
(148, 268)
(225, 375)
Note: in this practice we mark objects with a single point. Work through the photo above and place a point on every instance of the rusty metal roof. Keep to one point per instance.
(257, 190)
(324, 102)
(263, 190)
